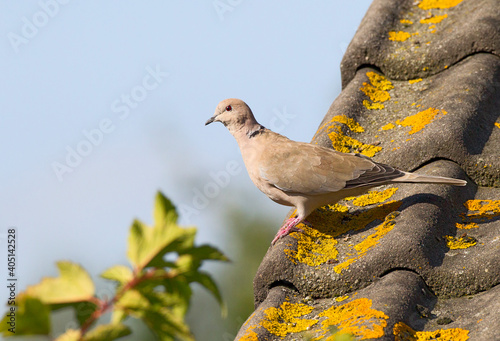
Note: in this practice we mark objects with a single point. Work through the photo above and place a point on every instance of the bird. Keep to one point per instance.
(303, 175)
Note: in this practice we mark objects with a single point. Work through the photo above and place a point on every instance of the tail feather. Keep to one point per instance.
(429, 179)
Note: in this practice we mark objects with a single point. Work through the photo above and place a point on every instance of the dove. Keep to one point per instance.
(303, 175)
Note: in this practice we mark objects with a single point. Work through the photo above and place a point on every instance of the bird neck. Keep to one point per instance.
(247, 131)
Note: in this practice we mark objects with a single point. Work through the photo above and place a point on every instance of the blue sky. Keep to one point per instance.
(104, 103)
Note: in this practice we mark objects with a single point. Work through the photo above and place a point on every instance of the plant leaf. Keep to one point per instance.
(32, 317)
(148, 245)
(164, 211)
(153, 309)
(69, 335)
(83, 310)
(206, 252)
(118, 273)
(208, 283)
(107, 332)
(73, 285)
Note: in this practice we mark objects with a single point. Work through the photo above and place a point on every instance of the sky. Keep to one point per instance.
(104, 103)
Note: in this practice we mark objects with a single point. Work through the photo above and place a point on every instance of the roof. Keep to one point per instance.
(421, 92)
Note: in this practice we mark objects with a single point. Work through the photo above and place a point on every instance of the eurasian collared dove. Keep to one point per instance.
(304, 175)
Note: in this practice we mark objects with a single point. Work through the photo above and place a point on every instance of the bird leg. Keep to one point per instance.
(287, 228)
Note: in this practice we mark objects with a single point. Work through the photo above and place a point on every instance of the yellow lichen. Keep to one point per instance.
(483, 208)
(430, 4)
(369, 242)
(351, 123)
(454, 243)
(497, 124)
(373, 106)
(317, 245)
(376, 90)
(399, 36)
(413, 81)
(420, 119)
(341, 298)
(339, 207)
(374, 197)
(376, 94)
(342, 119)
(357, 318)
(250, 335)
(285, 319)
(347, 144)
(313, 247)
(374, 238)
(406, 21)
(434, 20)
(467, 226)
(379, 81)
(388, 126)
(403, 332)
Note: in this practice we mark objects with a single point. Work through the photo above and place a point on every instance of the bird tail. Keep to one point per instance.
(429, 179)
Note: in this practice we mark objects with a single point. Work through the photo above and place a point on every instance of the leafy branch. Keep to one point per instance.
(154, 289)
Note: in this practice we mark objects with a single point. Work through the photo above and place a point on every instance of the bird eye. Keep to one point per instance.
(229, 108)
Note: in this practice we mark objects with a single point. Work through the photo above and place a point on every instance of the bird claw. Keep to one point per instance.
(289, 227)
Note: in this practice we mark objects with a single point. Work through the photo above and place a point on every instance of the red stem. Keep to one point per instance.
(104, 306)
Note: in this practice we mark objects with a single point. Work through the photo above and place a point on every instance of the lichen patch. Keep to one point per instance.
(403, 332)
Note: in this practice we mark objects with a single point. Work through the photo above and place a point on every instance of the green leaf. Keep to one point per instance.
(73, 285)
(146, 243)
(107, 332)
(208, 283)
(206, 252)
(32, 317)
(118, 315)
(153, 309)
(119, 273)
(132, 299)
(69, 335)
(166, 325)
(164, 211)
(83, 310)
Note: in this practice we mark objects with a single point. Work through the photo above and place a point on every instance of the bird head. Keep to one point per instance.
(234, 114)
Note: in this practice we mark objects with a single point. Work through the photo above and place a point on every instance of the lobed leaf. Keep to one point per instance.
(118, 273)
(73, 285)
(107, 332)
(69, 335)
(32, 317)
(208, 283)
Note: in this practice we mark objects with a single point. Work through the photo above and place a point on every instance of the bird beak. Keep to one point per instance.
(210, 120)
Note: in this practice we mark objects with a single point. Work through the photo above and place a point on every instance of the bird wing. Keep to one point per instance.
(298, 167)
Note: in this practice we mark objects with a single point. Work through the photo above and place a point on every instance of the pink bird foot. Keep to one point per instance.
(287, 228)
